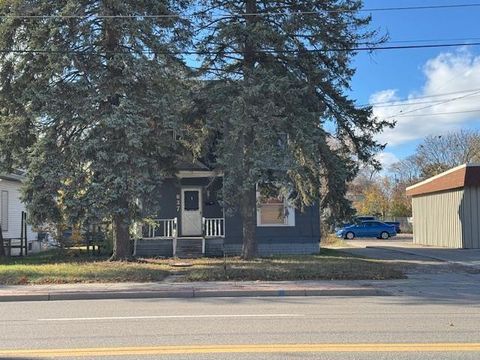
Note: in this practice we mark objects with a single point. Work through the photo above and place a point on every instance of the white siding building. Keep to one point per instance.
(11, 208)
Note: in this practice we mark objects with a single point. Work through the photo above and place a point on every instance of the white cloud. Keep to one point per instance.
(446, 73)
(386, 159)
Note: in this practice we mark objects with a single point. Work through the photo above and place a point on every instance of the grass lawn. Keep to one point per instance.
(329, 265)
(55, 267)
(75, 267)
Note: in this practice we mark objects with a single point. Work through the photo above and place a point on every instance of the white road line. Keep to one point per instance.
(212, 316)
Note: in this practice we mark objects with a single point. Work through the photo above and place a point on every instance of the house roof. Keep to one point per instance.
(192, 165)
(456, 178)
(15, 175)
(187, 167)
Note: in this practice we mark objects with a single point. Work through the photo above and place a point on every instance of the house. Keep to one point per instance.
(11, 209)
(192, 222)
(446, 209)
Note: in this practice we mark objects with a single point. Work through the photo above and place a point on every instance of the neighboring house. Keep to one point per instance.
(192, 222)
(446, 209)
(11, 208)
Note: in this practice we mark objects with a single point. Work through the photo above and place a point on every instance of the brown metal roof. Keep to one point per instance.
(456, 178)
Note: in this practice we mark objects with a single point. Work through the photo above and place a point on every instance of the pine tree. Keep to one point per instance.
(89, 94)
(283, 68)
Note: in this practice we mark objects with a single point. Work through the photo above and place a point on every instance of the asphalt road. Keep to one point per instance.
(241, 328)
(402, 248)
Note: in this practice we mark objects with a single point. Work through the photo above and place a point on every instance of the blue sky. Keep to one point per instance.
(399, 74)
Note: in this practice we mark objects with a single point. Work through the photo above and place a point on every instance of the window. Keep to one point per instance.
(191, 202)
(274, 211)
(4, 210)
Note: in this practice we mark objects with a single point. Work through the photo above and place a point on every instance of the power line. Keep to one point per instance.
(432, 40)
(400, 47)
(160, 16)
(444, 113)
(435, 102)
(233, 52)
(422, 97)
(430, 106)
(425, 7)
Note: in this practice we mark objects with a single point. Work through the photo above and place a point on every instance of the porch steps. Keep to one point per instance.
(189, 247)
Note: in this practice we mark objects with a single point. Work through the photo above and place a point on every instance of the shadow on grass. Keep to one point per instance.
(54, 256)
(61, 267)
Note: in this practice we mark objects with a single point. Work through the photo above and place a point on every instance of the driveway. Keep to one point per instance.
(402, 248)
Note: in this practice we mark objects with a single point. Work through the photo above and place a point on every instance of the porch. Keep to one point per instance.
(160, 237)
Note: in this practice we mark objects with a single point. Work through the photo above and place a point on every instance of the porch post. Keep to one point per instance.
(174, 239)
(224, 221)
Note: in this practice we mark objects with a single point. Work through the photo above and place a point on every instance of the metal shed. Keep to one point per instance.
(446, 209)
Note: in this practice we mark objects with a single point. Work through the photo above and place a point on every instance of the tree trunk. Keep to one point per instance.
(2, 248)
(121, 239)
(248, 202)
(249, 50)
(248, 208)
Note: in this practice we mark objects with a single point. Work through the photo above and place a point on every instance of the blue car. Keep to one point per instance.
(370, 228)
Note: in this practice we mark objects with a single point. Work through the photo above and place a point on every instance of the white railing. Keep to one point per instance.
(160, 229)
(214, 227)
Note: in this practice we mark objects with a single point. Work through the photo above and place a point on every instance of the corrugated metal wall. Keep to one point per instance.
(470, 216)
(448, 219)
(437, 220)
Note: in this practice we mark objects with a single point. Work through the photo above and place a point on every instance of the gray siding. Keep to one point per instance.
(214, 247)
(436, 219)
(470, 218)
(211, 200)
(170, 198)
(168, 201)
(303, 238)
(448, 219)
(163, 247)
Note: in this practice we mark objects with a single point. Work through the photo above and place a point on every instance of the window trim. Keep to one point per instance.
(4, 218)
(290, 218)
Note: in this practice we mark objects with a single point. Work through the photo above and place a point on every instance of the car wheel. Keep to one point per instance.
(350, 235)
(384, 235)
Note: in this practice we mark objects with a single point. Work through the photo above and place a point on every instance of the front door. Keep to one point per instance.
(191, 212)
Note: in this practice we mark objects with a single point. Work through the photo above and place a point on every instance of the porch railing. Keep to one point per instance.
(167, 228)
(160, 229)
(213, 227)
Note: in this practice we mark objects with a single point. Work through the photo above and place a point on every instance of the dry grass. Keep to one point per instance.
(54, 267)
(331, 240)
(331, 265)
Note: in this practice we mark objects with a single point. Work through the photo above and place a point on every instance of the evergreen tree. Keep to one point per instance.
(283, 68)
(89, 94)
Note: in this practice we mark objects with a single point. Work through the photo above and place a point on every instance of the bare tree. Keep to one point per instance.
(408, 170)
(452, 149)
(437, 154)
